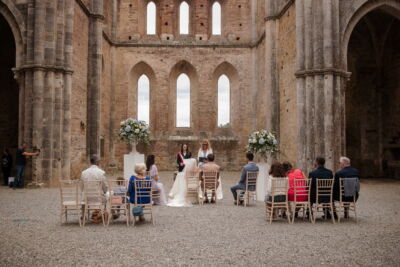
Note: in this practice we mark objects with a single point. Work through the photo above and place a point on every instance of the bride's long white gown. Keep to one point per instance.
(177, 194)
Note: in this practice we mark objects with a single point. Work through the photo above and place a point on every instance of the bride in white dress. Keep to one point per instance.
(177, 195)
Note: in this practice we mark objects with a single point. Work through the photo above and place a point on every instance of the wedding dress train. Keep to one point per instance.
(177, 194)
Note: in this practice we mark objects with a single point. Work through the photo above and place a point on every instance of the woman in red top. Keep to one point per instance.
(292, 175)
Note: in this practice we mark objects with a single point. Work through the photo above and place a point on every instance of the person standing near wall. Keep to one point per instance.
(6, 165)
(20, 163)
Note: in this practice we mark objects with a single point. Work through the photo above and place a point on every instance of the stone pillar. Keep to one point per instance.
(320, 97)
(38, 85)
(66, 97)
(94, 79)
(271, 74)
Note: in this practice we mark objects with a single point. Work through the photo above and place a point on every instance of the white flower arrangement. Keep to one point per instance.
(134, 131)
(262, 143)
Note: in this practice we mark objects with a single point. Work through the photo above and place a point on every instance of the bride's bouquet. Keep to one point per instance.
(134, 131)
(262, 143)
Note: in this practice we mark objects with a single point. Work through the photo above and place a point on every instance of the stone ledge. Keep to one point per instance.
(313, 72)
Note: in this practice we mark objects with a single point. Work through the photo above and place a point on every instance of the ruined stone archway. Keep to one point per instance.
(9, 92)
(373, 94)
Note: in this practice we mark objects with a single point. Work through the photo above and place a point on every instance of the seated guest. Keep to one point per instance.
(182, 155)
(94, 173)
(140, 170)
(320, 172)
(250, 167)
(209, 167)
(153, 172)
(276, 171)
(346, 172)
(292, 175)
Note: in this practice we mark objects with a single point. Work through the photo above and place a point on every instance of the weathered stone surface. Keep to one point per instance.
(77, 64)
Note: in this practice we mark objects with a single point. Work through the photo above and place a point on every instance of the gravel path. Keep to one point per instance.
(217, 235)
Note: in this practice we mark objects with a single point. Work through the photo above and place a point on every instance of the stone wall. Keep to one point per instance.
(286, 63)
(79, 91)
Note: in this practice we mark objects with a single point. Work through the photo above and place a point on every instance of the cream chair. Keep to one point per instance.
(323, 200)
(251, 182)
(344, 204)
(70, 199)
(94, 199)
(118, 201)
(279, 188)
(301, 191)
(209, 184)
(143, 189)
(193, 185)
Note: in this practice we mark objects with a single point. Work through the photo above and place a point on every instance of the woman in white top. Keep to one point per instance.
(153, 173)
(204, 151)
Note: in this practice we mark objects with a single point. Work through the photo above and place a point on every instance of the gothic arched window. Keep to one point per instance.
(223, 100)
(184, 18)
(143, 99)
(216, 19)
(151, 18)
(183, 101)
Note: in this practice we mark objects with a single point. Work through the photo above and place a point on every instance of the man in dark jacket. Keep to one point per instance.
(320, 172)
(346, 171)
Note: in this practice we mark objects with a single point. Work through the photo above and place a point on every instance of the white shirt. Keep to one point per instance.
(94, 173)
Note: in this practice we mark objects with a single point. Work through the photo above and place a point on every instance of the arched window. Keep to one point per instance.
(184, 18)
(223, 101)
(151, 18)
(216, 19)
(143, 99)
(183, 101)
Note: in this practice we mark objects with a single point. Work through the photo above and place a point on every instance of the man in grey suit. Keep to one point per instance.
(250, 167)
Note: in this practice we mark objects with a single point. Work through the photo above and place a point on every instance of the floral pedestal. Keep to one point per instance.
(263, 167)
(130, 160)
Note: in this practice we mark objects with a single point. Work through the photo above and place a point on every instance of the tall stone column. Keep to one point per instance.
(66, 97)
(271, 74)
(320, 97)
(94, 79)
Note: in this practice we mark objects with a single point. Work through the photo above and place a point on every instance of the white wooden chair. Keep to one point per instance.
(94, 199)
(193, 185)
(323, 200)
(143, 189)
(118, 202)
(279, 188)
(70, 199)
(209, 184)
(250, 189)
(346, 204)
(301, 191)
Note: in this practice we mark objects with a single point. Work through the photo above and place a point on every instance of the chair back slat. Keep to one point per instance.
(143, 189)
(93, 192)
(210, 179)
(302, 189)
(251, 180)
(279, 186)
(69, 191)
(117, 190)
(324, 189)
(192, 179)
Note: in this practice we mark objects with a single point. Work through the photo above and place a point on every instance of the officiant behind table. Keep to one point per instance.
(182, 155)
(204, 151)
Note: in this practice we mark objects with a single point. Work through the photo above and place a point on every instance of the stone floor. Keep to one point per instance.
(218, 235)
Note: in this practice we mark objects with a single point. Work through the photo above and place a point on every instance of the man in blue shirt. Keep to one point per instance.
(250, 167)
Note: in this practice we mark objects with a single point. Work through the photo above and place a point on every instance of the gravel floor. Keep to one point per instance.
(222, 234)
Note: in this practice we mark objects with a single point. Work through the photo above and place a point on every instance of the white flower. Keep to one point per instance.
(137, 131)
(261, 141)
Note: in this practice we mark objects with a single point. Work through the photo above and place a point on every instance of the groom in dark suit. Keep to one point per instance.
(320, 172)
